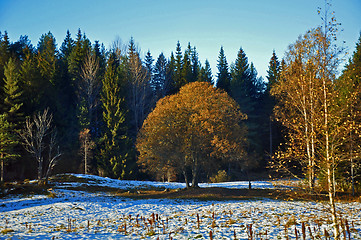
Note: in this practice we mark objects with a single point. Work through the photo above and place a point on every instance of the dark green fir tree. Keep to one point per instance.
(223, 76)
(114, 157)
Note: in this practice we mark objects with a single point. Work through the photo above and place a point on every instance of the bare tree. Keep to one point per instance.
(89, 86)
(53, 154)
(118, 48)
(34, 140)
(139, 87)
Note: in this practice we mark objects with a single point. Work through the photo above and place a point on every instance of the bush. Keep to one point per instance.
(221, 176)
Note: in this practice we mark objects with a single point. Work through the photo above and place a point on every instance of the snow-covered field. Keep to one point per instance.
(83, 215)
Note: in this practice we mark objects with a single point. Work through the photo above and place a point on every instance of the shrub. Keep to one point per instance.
(221, 176)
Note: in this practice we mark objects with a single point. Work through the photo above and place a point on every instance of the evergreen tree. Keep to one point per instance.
(47, 57)
(13, 101)
(113, 158)
(31, 82)
(4, 56)
(67, 46)
(149, 65)
(245, 88)
(241, 82)
(205, 74)
(170, 75)
(178, 79)
(223, 76)
(273, 72)
(349, 82)
(353, 68)
(275, 129)
(8, 141)
(195, 65)
(160, 85)
(187, 71)
(79, 51)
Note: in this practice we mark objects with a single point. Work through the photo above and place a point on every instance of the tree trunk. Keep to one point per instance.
(332, 202)
(195, 174)
(2, 168)
(270, 139)
(329, 164)
(40, 168)
(86, 158)
(186, 178)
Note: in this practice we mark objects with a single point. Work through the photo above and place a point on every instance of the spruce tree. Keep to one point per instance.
(178, 68)
(195, 65)
(241, 82)
(67, 46)
(245, 89)
(47, 57)
(4, 58)
(223, 76)
(79, 51)
(8, 141)
(187, 72)
(159, 84)
(205, 74)
(31, 82)
(275, 129)
(273, 72)
(170, 75)
(149, 65)
(13, 101)
(113, 158)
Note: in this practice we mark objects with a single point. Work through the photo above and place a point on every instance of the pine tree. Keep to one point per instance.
(113, 158)
(223, 76)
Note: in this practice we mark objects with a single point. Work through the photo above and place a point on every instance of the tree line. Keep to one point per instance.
(89, 103)
(80, 107)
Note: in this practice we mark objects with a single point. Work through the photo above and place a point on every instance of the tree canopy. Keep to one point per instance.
(195, 128)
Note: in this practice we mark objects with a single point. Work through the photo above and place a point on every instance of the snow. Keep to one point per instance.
(124, 184)
(84, 215)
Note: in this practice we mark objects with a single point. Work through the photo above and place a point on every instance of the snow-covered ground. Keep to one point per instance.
(83, 215)
(124, 184)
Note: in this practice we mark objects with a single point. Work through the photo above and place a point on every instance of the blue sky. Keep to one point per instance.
(258, 26)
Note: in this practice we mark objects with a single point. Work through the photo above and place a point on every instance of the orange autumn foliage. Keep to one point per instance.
(193, 129)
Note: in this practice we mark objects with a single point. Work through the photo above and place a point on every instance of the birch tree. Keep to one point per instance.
(317, 109)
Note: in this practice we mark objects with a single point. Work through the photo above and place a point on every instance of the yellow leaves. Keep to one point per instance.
(200, 120)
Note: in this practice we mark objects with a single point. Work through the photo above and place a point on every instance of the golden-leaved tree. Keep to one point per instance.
(316, 108)
(196, 128)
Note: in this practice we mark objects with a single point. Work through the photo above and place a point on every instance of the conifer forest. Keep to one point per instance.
(115, 142)
(74, 106)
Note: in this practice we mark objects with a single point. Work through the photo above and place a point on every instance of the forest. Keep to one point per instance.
(83, 108)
